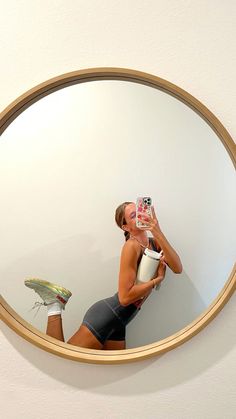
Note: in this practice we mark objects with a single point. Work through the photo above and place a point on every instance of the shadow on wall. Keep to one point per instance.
(169, 309)
(76, 264)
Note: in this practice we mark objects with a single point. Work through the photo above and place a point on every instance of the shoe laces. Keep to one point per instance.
(37, 305)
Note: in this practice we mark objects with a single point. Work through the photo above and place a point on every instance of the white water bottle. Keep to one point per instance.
(148, 266)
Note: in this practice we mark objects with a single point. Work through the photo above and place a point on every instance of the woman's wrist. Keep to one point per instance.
(157, 233)
(157, 280)
(154, 283)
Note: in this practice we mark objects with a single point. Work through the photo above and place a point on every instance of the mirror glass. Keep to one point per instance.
(70, 159)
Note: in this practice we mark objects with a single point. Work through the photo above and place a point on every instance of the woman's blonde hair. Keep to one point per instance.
(120, 217)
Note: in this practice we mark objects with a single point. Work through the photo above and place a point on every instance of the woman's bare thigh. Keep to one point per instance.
(85, 339)
(115, 345)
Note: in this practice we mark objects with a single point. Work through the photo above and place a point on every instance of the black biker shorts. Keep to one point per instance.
(107, 319)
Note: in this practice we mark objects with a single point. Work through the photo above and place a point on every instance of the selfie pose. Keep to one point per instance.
(104, 324)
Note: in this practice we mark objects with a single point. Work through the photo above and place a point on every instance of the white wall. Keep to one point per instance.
(185, 42)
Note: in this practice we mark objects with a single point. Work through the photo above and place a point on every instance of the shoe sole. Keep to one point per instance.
(61, 293)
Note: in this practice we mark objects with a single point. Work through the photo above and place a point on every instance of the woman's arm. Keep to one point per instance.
(170, 256)
(129, 292)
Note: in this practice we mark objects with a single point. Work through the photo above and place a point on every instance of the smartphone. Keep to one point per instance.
(143, 206)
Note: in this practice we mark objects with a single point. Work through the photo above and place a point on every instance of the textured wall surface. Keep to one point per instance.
(190, 44)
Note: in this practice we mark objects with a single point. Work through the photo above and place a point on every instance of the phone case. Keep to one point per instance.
(143, 206)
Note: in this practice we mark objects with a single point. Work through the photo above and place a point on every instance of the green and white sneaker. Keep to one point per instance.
(50, 293)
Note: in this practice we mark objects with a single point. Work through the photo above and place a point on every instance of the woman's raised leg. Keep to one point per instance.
(54, 327)
(55, 298)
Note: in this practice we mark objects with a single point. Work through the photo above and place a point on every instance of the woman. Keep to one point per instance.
(103, 326)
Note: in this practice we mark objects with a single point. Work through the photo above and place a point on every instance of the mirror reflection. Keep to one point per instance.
(66, 164)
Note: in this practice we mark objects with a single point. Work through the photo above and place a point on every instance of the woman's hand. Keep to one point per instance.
(171, 257)
(161, 271)
(150, 223)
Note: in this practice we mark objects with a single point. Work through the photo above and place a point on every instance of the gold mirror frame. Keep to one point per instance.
(24, 329)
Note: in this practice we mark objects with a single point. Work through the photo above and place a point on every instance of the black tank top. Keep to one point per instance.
(153, 246)
(126, 313)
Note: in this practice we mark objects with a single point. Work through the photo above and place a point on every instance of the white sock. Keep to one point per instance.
(54, 308)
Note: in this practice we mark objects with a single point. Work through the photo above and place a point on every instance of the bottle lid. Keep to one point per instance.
(152, 254)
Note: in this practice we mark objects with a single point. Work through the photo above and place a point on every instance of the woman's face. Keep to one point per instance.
(130, 217)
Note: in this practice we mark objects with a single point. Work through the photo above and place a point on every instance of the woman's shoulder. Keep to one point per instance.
(132, 246)
(131, 252)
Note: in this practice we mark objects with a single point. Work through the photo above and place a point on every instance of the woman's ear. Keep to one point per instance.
(125, 227)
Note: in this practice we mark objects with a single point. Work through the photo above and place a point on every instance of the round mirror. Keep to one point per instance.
(69, 160)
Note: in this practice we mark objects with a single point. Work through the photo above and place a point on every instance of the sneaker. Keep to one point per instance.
(50, 293)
